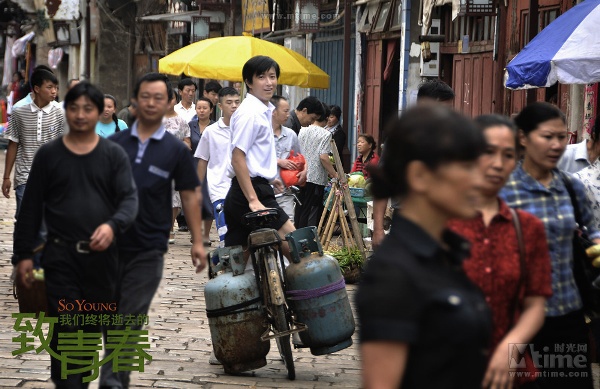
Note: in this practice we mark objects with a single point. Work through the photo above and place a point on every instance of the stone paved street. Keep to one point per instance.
(179, 333)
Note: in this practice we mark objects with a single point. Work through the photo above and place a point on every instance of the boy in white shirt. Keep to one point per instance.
(253, 158)
(214, 157)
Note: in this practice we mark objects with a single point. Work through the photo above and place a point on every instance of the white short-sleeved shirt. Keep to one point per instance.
(186, 114)
(252, 132)
(214, 147)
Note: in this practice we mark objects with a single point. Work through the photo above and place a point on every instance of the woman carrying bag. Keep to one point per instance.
(509, 258)
(538, 187)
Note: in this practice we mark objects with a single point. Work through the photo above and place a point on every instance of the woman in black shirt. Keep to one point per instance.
(423, 324)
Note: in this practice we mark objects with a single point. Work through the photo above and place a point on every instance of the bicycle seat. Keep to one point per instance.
(260, 218)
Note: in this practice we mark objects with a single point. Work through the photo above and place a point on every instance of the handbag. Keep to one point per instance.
(583, 271)
(33, 299)
(289, 177)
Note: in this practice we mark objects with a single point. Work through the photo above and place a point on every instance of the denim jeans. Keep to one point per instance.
(19, 191)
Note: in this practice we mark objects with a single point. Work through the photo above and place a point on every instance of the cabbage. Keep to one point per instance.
(356, 181)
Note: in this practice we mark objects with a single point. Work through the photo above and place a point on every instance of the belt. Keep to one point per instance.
(80, 246)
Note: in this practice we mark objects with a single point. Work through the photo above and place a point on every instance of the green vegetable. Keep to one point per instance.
(347, 257)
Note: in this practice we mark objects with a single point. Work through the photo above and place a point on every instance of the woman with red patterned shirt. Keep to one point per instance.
(366, 154)
(494, 264)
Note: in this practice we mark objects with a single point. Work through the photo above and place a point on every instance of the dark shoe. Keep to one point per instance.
(183, 228)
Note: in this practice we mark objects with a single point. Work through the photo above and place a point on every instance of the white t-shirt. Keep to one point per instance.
(214, 147)
(187, 114)
(252, 132)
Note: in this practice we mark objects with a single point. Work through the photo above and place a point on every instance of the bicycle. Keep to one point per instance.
(267, 259)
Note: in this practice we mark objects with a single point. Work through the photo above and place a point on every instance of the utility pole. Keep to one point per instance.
(346, 72)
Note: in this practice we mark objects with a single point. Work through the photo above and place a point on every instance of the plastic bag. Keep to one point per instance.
(289, 177)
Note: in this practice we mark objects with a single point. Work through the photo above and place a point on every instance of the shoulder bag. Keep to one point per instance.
(583, 271)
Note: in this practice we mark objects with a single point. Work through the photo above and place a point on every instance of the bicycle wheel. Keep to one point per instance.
(280, 321)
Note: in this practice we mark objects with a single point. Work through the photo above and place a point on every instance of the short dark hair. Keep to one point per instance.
(152, 77)
(483, 122)
(312, 105)
(325, 114)
(336, 111)
(40, 75)
(436, 90)
(212, 86)
(276, 99)
(536, 113)
(493, 120)
(43, 67)
(433, 135)
(227, 91)
(370, 140)
(185, 82)
(256, 66)
(84, 88)
(209, 101)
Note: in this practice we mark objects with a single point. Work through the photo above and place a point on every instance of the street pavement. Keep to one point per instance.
(178, 331)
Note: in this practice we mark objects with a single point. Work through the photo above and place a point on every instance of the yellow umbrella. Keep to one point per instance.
(223, 59)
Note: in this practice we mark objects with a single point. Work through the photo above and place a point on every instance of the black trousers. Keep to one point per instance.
(309, 213)
(138, 277)
(72, 277)
(563, 345)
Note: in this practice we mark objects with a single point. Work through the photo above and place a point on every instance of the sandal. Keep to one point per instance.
(172, 237)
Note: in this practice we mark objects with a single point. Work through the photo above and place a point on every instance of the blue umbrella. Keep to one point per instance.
(567, 51)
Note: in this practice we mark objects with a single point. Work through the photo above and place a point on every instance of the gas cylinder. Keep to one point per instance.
(316, 291)
(234, 312)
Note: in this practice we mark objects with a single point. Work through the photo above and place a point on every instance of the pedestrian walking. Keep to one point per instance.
(286, 141)
(538, 187)
(583, 154)
(31, 126)
(516, 284)
(157, 158)
(214, 156)
(315, 140)
(109, 123)
(204, 109)
(590, 176)
(178, 127)
(421, 319)
(186, 107)
(82, 185)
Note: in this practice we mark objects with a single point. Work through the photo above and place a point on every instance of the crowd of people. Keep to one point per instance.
(478, 259)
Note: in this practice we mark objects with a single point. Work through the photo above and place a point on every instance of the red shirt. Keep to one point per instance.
(360, 166)
(494, 264)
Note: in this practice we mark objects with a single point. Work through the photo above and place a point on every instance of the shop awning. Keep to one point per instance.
(215, 17)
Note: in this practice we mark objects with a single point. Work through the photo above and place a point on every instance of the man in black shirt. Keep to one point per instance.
(307, 111)
(157, 159)
(82, 185)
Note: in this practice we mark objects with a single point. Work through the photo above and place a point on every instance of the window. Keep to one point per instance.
(382, 17)
(396, 18)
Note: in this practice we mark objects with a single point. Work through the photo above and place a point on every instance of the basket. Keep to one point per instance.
(357, 192)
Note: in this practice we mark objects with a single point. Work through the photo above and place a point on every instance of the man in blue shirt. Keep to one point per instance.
(157, 159)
